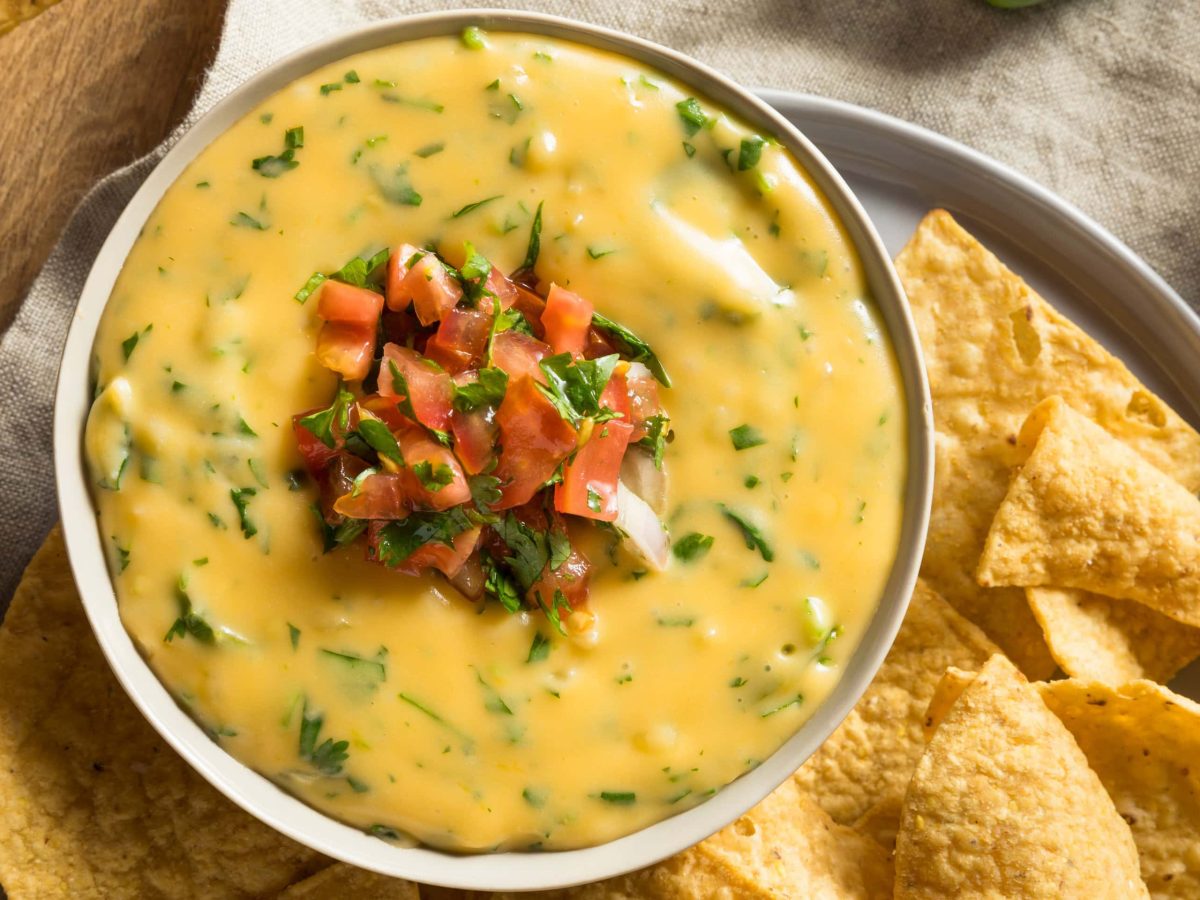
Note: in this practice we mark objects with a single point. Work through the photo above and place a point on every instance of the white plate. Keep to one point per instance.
(900, 171)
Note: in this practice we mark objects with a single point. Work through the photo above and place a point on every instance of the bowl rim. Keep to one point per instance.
(255, 793)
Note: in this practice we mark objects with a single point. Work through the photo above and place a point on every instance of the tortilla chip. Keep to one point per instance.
(949, 689)
(14, 12)
(1144, 743)
(876, 748)
(1003, 804)
(1114, 641)
(342, 880)
(881, 822)
(784, 847)
(994, 349)
(92, 802)
(1085, 511)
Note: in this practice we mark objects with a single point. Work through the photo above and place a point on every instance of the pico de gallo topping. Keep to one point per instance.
(478, 424)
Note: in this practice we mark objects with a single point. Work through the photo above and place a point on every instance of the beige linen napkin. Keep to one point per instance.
(1097, 99)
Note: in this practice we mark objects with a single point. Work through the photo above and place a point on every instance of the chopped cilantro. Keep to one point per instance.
(293, 635)
(753, 582)
(395, 186)
(534, 248)
(746, 436)
(381, 439)
(750, 152)
(327, 89)
(245, 220)
(692, 115)
(430, 150)
(752, 481)
(474, 38)
(539, 649)
(329, 755)
(399, 540)
(575, 386)
(596, 253)
(619, 798)
(274, 166)
(499, 584)
(751, 533)
(536, 799)
(488, 390)
(689, 149)
(692, 546)
(471, 207)
(433, 478)
(189, 622)
(315, 280)
(245, 428)
(530, 550)
(321, 424)
(658, 430)
(794, 701)
(631, 346)
(241, 499)
(594, 501)
(351, 77)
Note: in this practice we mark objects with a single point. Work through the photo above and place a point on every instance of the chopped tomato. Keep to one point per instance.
(434, 291)
(589, 485)
(474, 438)
(337, 480)
(443, 483)
(571, 578)
(434, 555)
(398, 297)
(643, 397)
(387, 409)
(534, 439)
(461, 340)
(429, 387)
(566, 318)
(519, 354)
(380, 496)
(502, 286)
(349, 305)
(530, 305)
(346, 349)
(616, 395)
(317, 456)
(598, 345)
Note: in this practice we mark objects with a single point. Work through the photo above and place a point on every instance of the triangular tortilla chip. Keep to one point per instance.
(341, 880)
(994, 349)
(1003, 804)
(784, 847)
(1085, 511)
(1114, 641)
(1144, 743)
(882, 820)
(875, 749)
(93, 803)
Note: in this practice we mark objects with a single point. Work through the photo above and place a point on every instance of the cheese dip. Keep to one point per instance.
(391, 701)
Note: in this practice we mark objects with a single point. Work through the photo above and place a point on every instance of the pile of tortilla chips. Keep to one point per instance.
(1065, 537)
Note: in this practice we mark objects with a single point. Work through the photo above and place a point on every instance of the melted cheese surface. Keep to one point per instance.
(742, 281)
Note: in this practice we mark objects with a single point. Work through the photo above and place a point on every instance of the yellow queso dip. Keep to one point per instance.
(389, 701)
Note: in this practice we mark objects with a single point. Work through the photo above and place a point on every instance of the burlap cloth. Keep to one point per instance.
(1098, 100)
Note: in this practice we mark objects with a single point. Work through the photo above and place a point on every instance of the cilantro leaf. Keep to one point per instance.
(433, 478)
(498, 583)
(530, 550)
(692, 547)
(399, 540)
(575, 386)
(241, 499)
(327, 756)
(485, 491)
(632, 347)
(488, 390)
(750, 152)
(535, 240)
(539, 649)
(475, 272)
(321, 424)
(274, 166)
(658, 429)
(471, 207)
(694, 118)
(189, 622)
(746, 436)
(751, 533)
(395, 187)
(381, 439)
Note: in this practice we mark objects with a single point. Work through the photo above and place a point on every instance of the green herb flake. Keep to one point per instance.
(539, 649)
(746, 436)
(692, 547)
(430, 150)
(471, 207)
(689, 149)
(380, 439)
(395, 186)
(752, 481)
(753, 582)
(474, 38)
(675, 621)
(122, 555)
(293, 635)
(574, 386)
(488, 390)
(351, 77)
(274, 166)
(631, 346)
(190, 623)
(737, 682)
(203, 184)
(692, 115)
(328, 756)
(322, 424)
(399, 540)
(794, 701)
(433, 478)
(534, 249)
(535, 798)
(241, 499)
(751, 533)
(245, 220)
(750, 152)
(327, 89)
(619, 798)
(597, 253)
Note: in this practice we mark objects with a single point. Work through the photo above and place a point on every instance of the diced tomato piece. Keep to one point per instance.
(566, 318)
(429, 387)
(616, 396)
(643, 397)
(518, 355)
(434, 291)
(500, 285)
(317, 456)
(530, 305)
(349, 305)
(589, 485)
(571, 578)
(380, 496)
(337, 480)
(461, 340)
(419, 449)
(434, 555)
(397, 270)
(347, 349)
(598, 345)
(399, 327)
(468, 580)
(534, 439)
(474, 438)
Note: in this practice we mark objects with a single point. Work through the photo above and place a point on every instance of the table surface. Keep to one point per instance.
(76, 103)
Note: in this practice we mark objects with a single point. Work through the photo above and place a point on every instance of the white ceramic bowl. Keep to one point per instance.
(257, 794)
